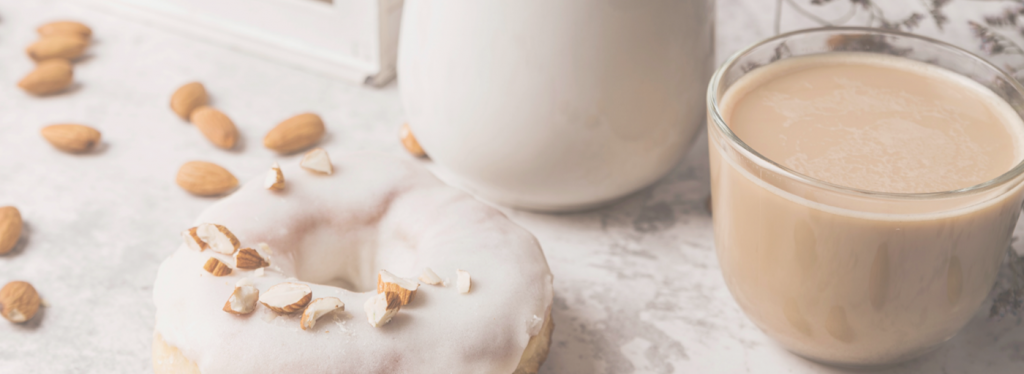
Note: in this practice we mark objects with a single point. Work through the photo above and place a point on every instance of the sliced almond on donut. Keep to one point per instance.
(381, 308)
(287, 297)
(404, 288)
(317, 161)
(242, 300)
(463, 283)
(317, 308)
(192, 240)
(275, 179)
(430, 277)
(217, 268)
(248, 258)
(218, 238)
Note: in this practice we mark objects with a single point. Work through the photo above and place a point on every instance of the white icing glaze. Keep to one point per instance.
(375, 212)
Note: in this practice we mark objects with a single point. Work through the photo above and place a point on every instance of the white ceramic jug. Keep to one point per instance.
(555, 105)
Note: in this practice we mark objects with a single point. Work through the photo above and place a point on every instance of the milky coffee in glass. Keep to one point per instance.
(834, 234)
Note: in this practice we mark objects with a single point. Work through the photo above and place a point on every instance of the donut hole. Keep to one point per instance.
(350, 257)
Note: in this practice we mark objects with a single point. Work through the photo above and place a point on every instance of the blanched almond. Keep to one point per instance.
(65, 28)
(463, 283)
(187, 98)
(215, 126)
(381, 308)
(318, 308)
(274, 180)
(205, 178)
(404, 288)
(49, 77)
(66, 46)
(217, 268)
(20, 301)
(295, 134)
(218, 238)
(242, 300)
(71, 137)
(10, 228)
(317, 161)
(430, 277)
(287, 297)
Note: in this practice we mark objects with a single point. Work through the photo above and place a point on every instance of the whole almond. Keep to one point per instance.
(10, 228)
(65, 28)
(50, 76)
(295, 134)
(187, 98)
(68, 47)
(409, 141)
(20, 301)
(205, 178)
(71, 137)
(216, 126)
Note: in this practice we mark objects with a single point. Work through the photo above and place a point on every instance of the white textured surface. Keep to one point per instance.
(637, 284)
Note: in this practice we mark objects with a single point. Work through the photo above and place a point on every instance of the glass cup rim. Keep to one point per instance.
(720, 125)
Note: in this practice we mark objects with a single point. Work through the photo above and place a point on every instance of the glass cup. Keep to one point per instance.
(848, 276)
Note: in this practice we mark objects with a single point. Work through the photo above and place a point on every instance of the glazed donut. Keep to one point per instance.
(335, 233)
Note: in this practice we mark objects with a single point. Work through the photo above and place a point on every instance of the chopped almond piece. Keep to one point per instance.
(218, 238)
(217, 268)
(318, 308)
(248, 258)
(192, 240)
(430, 277)
(463, 283)
(242, 300)
(381, 308)
(317, 161)
(287, 297)
(404, 288)
(275, 178)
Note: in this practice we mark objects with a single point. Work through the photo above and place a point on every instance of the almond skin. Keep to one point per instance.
(217, 268)
(68, 47)
(205, 178)
(71, 137)
(187, 98)
(295, 134)
(249, 259)
(20, 301)
(49, 77)
(65, 28)
(10, 228)
(215, 126)
(409, 141)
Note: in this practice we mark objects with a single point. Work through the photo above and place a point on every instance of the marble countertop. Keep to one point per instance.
(637, 284)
